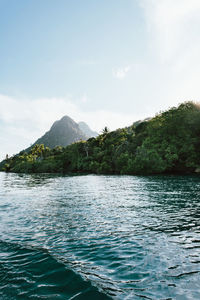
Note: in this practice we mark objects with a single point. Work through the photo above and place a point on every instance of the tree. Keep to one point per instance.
(105, 130)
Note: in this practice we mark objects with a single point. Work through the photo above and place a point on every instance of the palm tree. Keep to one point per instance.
(105, 130)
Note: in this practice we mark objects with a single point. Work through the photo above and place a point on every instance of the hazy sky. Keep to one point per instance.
(106, 62)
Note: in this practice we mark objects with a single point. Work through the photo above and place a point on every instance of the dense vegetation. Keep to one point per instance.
(167, 143)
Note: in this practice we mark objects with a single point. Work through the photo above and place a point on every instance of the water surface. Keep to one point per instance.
(99, 237)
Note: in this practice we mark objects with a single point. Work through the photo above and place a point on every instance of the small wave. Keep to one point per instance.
(185, 274)
(32, 273)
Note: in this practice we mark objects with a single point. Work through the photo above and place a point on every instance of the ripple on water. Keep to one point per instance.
(128, 237)
(31, 273)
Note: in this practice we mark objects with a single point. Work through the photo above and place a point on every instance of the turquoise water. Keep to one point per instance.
(99, 237)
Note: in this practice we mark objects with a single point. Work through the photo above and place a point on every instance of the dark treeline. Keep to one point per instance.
(167, 143)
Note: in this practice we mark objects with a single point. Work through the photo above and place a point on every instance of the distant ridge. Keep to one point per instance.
(86, 130)
(64, 132)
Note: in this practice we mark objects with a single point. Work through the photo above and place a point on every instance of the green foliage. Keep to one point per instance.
(167, 143)
(147, 161)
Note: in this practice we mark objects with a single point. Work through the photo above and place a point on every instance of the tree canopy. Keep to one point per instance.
(167, 143)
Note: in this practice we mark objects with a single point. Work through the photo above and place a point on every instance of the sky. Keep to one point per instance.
(107, 62)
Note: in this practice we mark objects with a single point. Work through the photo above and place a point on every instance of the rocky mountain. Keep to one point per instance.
(64, 132)
(86, 130)
(167, 143)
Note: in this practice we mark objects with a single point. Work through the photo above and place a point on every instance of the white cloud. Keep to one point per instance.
(22, 121)
(121, 73)
(173, 25)
(84, 99)
(173, 46)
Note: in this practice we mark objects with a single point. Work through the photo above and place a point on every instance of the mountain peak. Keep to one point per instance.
(86, 129)
(64, 132)
(64, 122)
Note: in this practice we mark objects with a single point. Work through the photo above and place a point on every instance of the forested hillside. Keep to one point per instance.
(167, 143)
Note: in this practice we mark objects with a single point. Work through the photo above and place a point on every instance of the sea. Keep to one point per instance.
(99, 237)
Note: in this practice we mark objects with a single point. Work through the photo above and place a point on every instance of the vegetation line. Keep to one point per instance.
(167, 143)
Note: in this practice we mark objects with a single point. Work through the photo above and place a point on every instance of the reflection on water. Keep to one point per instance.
(128, 236)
